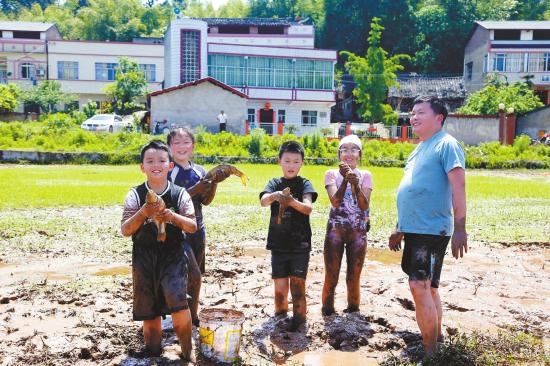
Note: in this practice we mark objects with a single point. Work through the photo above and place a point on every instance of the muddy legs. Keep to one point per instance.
(355, 257)
(152, 334)
(298, 292)
(334, 249)
(427, 315)
(356, 249)
(182, 328)
(194, 284)
(281, 295)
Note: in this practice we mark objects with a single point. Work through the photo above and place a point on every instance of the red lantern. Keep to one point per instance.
(267, 106)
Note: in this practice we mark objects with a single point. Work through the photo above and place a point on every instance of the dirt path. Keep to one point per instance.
(58, 308)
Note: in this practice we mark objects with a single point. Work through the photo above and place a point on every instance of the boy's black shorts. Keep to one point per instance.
(284, 264)
(159, 276)
(423, 257)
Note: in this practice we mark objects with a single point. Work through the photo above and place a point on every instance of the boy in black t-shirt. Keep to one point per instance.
(290, 240)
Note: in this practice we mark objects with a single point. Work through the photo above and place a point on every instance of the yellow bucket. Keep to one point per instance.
(220, 334)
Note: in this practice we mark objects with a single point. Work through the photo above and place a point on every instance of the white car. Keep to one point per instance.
(105, 123)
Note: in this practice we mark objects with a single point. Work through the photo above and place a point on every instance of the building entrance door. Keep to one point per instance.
(267, 120)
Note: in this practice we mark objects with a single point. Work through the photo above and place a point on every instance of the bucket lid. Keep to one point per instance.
(221, 315)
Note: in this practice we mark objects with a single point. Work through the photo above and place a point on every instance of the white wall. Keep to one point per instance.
(172, 44)
(294, 113)
(472, 130)
(199, 105)
(533, 122)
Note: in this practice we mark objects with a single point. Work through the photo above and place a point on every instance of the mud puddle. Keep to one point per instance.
(383, 256)
(332, 358)
(114, 271)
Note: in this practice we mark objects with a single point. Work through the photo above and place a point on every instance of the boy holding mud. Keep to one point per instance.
(289, 235)
(157, 266)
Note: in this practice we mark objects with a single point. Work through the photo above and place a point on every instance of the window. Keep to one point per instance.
(105, 71)
(541, 35)
(26, 34)
(270, 72)
(282, 115)
(251, 115)
(309, 118)
(149, 71)
(499, 63)
(547, 62)
(67, 70)
(469, 70)
(277, 29)
(234, 29)
(507, 34)
(27, 71)
(190, 56)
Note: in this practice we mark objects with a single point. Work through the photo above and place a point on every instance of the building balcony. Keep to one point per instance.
(22, 46)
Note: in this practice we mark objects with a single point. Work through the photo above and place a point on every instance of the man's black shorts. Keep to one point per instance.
(159, 276)
(284, 265)
(423, 257)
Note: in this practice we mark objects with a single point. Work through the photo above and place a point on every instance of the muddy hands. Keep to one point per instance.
(395, 240)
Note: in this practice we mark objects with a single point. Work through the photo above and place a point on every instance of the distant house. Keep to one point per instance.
(450, 89)
(272, 61)
(510, 50)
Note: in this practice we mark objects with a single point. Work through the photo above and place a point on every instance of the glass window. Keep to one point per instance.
(309, 118)
(251, 113)
(499, 63)
(105, 71)
(469, 70)
(149, 71)
(282, 115)
(547, 62)
(271, 72)
(67, 70)
(27, 70)
(190, 55)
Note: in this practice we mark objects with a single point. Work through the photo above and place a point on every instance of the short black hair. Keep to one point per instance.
(157, 145)
(180, 131)
(291, 147)
(437, 105)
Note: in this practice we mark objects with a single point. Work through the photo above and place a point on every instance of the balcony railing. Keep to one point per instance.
(518, 62)
(21, 46)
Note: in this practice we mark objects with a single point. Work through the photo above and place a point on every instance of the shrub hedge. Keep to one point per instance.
(61, 133)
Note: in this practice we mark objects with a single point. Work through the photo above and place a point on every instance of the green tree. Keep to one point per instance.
(113, 20)
(9, 97)
(129, 86)
(516, 95)
(47, 95)
(373, 76)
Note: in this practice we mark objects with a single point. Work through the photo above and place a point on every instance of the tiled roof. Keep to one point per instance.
(412, 86)
(197, 82)
(250, 21)
(25, 26)
(515, 24)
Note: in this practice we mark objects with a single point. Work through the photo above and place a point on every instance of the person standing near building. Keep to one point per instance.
(222, 119)
(431, 202)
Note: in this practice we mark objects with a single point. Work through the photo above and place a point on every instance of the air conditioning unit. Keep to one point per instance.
(40, 72)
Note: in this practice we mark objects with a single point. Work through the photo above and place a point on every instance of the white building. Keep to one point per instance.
(85, 68)
(272, 61)
(511, 49)
(23, 51)
(32, 51)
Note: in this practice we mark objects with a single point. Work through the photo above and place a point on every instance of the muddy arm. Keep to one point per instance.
(363, 198)
(305, 207)
(134, 222)
(208, 196)
(336, 195)
(187, 224)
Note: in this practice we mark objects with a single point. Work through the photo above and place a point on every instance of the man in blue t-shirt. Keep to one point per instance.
(431, 202)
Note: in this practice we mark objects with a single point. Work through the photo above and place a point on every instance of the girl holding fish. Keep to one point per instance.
(349, 190)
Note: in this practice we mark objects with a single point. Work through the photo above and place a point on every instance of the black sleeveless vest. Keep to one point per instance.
(146, 235)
